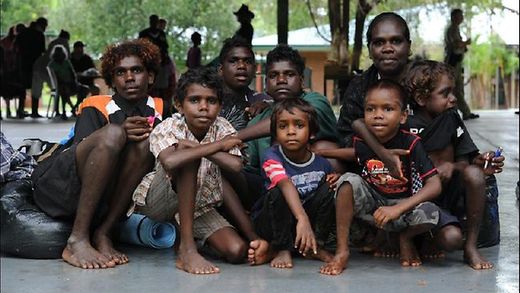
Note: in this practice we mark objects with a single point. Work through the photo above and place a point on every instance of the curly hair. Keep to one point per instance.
(388, 16)
(205, 76)
(289, 105)
(422, 78)
(141, 48)
(389, 84)
(234, 42)
(286, 53)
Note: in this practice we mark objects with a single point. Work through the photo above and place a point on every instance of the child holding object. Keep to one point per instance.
(461, 168)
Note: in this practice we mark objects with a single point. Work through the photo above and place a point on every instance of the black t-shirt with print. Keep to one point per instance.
(416, 166)
(445, 129)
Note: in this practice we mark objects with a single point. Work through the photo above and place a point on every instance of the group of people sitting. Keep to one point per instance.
(303, 176)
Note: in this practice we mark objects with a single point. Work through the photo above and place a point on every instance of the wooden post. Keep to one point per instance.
(282, 21)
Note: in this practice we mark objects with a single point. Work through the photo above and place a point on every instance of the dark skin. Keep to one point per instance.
(182, 163)
(450, 237)
(106, 161)
(389, 51)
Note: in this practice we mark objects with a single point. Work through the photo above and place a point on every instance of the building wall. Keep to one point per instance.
(315, 61)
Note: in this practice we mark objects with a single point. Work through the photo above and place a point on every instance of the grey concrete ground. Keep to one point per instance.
(154, 270)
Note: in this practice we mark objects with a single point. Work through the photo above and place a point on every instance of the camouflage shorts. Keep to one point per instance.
(367, 201)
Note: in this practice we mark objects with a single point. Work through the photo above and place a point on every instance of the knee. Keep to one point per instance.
(450, 238)
(114, 138)
(474, 176)
(236, 252)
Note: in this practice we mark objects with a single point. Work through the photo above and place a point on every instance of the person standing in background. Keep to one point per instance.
(454, 50)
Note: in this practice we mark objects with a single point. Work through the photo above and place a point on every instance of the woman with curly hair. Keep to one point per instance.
(90, 180)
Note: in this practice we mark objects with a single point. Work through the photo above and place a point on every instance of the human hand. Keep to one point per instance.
(137, 128)
(494, 164)
(393, 162)
(256, 108)
(229, 142)
(305, 239)
(331, 179)
(385, 214)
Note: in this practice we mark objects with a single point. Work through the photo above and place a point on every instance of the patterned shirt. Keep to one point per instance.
(15, 165)
(209, 180)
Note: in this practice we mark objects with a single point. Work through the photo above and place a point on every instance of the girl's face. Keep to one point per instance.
(441, 98)
(389, 48)
(292, 130)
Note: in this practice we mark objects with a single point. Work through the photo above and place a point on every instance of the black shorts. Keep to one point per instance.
(57, 185)
(452, 198)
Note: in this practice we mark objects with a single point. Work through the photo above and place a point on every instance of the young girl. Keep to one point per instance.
(298, 209)
(430, 85)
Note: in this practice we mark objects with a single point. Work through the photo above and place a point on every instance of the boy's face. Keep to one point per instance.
(441, 98)
(283, 81)
(200, 107)
(389, 48)
(238, 68)
(383, 113)
(131, 79)
(292, 130)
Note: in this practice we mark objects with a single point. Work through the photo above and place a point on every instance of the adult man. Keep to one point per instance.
(454, 49)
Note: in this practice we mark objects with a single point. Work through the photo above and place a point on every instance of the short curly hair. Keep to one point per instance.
(422, 78)
(286, 53)
(234, 42)
(205, 76)
(141, 48)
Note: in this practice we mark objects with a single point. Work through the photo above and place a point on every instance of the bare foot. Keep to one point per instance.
(282, 260)
(104, 245)
(81, 254)
(189, 260)
(321, 254)
(409, 255)
(259, 252)
(336, 265)
(475, 260)
(388, 245)
(429, 250)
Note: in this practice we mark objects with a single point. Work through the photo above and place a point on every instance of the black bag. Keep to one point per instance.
(39, 149)
(26, 230)
(490, 227)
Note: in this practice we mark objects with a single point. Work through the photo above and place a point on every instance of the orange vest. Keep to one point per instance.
(100, 102)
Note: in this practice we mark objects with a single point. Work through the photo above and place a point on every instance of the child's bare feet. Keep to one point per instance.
(282, 260)
(189, 260)
(259, 252)
(388, 244)
(409, 257)
(321, 254)
(429, 249)
(475, 260)
(104, 245)
(81, 254)
(336, 265)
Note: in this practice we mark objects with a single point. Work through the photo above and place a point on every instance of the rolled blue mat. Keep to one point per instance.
(141, 230)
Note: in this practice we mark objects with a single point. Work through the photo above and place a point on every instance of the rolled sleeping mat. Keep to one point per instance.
(140, 230)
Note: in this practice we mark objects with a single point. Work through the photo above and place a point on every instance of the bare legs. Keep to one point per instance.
(96, 159)
(344, 216)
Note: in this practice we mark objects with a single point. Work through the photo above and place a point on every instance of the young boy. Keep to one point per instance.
(107, 157)
(237, 68)
(298, 202)
(284, 80)
(398, 205)
(457, 159)
(193, 148)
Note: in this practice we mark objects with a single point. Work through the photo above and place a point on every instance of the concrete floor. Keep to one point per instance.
(154, 271)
